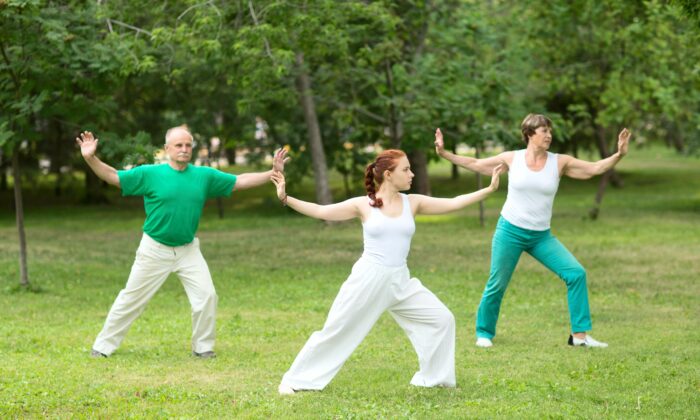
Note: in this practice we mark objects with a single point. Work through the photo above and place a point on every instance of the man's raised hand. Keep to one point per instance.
(279, 160)
(87, 143)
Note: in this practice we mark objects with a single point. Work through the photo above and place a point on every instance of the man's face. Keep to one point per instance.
(179, 146)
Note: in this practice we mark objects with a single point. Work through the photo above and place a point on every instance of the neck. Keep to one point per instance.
(178, 166)
(387, 192)
(536, 151)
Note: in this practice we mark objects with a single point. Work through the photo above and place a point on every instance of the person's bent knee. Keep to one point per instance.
(576, 275)
(212, 296)
(205, 299)
(446, 319)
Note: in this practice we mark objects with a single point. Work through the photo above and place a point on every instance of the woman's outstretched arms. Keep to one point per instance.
(430, 205)
(581, 169)
(346, 210)
(483, 166)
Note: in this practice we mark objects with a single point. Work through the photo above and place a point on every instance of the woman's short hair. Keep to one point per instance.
(531, 123)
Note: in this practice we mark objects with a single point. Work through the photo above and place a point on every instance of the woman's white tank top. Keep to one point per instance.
(531, 194)
(387, 240)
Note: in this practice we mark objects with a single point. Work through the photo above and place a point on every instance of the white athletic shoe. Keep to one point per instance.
(586, 342)
(483, 342)
(285, 390)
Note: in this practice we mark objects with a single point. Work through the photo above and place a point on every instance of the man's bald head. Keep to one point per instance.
(178, 146)
(178, 133)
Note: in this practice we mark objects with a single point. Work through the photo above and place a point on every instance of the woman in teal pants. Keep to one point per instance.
(524, 225)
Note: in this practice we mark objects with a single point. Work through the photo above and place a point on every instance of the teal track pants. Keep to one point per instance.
(509, 242)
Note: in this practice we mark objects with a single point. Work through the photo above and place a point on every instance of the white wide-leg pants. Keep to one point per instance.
(370, 290)
(154, 262)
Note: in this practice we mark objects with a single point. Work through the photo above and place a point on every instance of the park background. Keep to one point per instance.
(334, 81)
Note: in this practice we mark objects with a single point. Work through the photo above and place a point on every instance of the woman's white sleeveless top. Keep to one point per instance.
(387, 240)
(531, 194)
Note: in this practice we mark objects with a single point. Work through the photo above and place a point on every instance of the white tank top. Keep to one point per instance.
(388, 239)
(531, 194)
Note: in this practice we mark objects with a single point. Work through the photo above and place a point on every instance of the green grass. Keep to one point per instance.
(277, 273)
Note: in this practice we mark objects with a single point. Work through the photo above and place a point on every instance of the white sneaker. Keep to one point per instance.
(285, 390)
(483, 342)
(586, 342)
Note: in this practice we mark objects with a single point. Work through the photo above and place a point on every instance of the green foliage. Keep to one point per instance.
(623, 64)
(127, 150)
(387, 72)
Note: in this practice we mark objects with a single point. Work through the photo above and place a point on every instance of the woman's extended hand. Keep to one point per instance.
(497, 171)
(277, 178)
(439, 142)
(623, 141)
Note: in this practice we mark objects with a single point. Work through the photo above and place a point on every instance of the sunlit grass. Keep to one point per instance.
(277, 273)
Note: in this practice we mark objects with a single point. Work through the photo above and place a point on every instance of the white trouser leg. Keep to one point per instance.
(361, 300)
(431, 328)
(196, 279)
(151, 268)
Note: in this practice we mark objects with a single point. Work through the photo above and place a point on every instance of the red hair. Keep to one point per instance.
(388, 160)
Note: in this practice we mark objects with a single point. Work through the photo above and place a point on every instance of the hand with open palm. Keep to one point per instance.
(87, 143)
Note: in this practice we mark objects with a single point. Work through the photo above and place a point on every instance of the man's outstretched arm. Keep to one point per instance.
(255, 179)
(88, 147)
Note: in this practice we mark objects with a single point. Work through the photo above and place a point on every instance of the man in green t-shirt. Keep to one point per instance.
(174, 195)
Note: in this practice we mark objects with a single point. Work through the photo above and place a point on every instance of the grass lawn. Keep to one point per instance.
(277, 273)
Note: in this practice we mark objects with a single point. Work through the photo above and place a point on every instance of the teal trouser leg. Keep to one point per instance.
(508, 244)
(553, 255)
(506, 247)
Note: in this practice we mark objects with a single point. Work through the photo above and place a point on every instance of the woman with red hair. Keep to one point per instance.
(380, 279)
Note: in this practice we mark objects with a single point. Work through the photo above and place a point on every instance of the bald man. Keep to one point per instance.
(174, 195)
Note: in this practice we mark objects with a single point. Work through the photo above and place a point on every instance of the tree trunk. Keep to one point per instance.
(395, 131)
(346, 185)
(595, 210)
(602, 143)
(479, 182)
(93, 188)
(674, 136)
(419, 166)
(19, 212)
(3, 173)
(455, 171)
(57, 151)
(609, 177)
(214, 156)
(230, 153)
(318, 156)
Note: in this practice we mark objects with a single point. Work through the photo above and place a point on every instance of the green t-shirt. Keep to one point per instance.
(174, 199)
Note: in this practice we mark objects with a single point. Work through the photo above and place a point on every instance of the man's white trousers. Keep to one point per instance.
(370, 290)
(154, 262)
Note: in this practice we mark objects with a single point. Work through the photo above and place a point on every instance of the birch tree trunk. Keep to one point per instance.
(19, 213)
(318, 156)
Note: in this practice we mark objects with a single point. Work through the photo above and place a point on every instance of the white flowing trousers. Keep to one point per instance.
(370, 290)
(154, 262)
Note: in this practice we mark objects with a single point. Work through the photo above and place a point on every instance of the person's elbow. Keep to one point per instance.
(482, 169)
